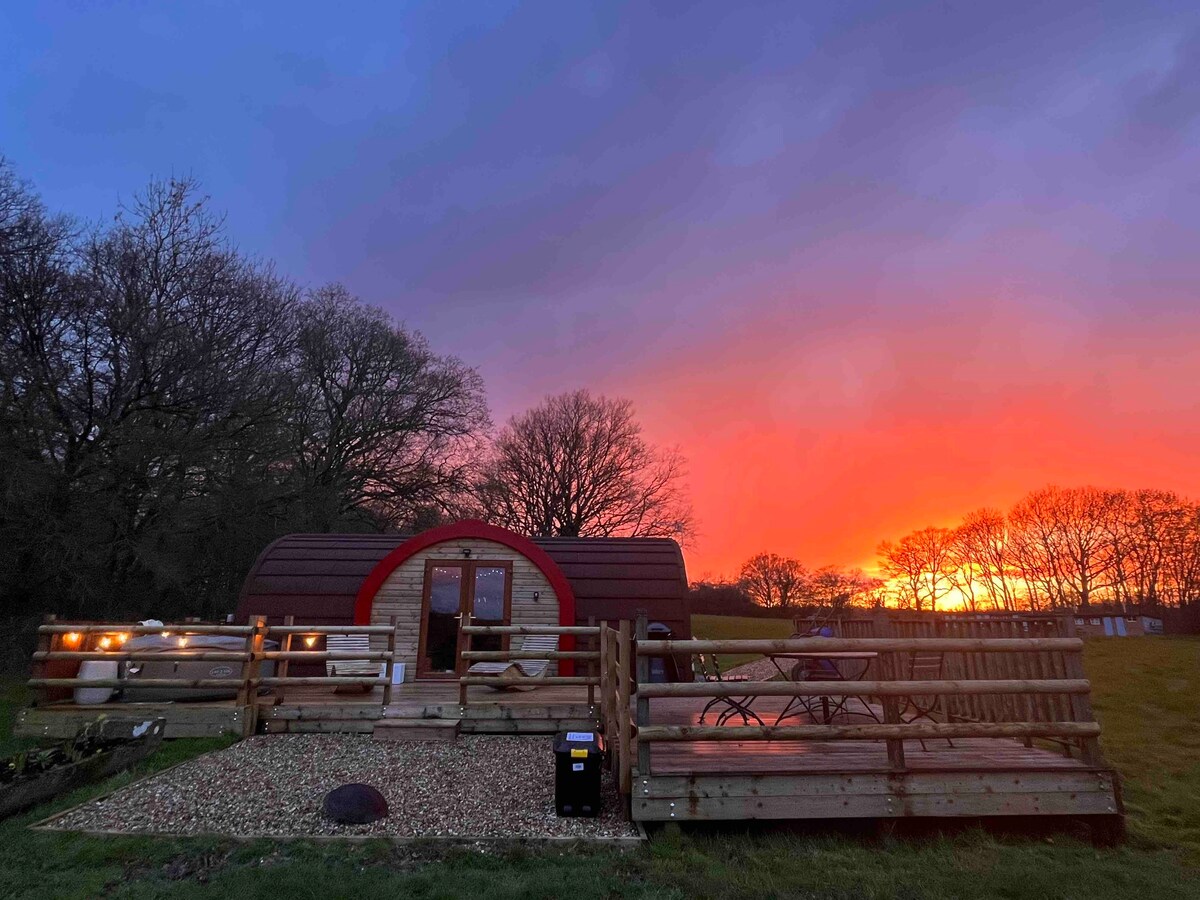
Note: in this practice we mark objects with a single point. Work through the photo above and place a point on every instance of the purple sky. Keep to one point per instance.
(870, 267)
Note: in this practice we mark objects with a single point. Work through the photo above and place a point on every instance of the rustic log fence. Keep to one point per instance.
(1008, 695)
(55, 640)
(1034, 662)
(590, 657)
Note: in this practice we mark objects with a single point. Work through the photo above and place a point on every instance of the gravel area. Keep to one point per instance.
(479, 786)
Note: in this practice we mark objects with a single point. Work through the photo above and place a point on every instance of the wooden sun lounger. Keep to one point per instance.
(352, 643)
(519, 674)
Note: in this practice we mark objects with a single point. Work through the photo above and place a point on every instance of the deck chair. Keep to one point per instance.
(352, 643)
(709, 670)
(520, 674)
(923, 667)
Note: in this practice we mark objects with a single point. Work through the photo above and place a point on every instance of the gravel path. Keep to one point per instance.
(479, 786)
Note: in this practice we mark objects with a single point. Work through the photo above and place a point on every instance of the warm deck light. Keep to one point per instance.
(310, 641)
(122, 637)
(72, 637)
(105, 642)
(166, 634)
(183, 642)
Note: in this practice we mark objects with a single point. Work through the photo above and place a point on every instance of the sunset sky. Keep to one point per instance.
(869, 269)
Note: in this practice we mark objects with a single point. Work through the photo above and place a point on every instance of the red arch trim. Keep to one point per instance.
(475, 529)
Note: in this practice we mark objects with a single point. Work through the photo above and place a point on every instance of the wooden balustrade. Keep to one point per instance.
(591, 658)
(862, 688)
(877, 645)
(1019, 678)
(250, 658)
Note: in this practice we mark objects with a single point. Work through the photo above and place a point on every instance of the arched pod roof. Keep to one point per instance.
(320, 578)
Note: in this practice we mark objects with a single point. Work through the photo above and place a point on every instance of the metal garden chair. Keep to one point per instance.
(709, 670)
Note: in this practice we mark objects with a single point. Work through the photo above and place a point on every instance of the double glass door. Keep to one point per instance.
(483, 588)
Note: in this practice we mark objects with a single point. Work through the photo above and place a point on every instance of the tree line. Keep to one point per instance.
(1057, 548)
(773, 584)
(170, 404)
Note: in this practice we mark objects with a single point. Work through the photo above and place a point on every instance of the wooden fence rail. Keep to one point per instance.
(861, 688)
(591, 658)
(998, 679)
(878, 645)
(54, 636)
(913, 732)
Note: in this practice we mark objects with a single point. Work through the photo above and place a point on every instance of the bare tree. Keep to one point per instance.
(772, 580)
(921, 564)
(381, 426)
(578, 465)
(168, 406)
(983, 559)
(834, 588)
(1066, 534)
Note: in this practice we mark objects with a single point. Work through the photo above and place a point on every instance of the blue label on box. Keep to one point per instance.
(581, 736)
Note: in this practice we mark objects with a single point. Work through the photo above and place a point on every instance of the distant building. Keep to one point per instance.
(1110, 624)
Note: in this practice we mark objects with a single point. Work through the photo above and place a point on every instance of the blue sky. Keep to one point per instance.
(781, 224)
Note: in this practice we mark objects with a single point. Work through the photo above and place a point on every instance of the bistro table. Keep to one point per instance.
(827, 669)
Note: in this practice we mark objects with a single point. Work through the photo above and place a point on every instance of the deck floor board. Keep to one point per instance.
(730, 757)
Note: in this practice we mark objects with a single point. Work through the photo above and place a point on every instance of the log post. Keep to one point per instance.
(591, 667)
(462, 684)
(641, 632)
(45, 644)
(248, 693)
(890, 666)
(1081, 704)
(605, 684)
(281, 668)
(390, 666)
(623, 723)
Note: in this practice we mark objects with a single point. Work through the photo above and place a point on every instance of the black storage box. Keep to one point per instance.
(578, 759)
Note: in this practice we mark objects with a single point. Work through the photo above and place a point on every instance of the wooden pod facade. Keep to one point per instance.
(425, 582)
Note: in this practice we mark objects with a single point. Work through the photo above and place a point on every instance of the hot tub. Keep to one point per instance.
(184, 669)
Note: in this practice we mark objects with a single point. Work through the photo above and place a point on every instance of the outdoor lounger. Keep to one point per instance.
(351, 643)
(518, 674)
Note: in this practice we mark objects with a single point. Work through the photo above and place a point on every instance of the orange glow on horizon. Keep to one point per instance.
(820, 439)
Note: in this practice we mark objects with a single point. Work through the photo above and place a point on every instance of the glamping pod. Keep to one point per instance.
(427, 581)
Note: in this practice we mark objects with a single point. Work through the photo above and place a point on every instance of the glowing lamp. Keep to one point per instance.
(105, 642)
(310, 641)
(166, 634)
(183, 642)
(122, 637)
(72, 637)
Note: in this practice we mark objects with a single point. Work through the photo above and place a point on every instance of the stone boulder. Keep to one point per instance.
(355, 804)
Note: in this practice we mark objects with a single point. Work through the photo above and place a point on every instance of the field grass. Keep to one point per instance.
(1145, 695)
(718, 627)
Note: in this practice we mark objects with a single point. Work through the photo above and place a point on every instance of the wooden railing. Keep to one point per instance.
(1053, 704)
(616, 689)
(55, 642)
(590, 658)
(1033, 663)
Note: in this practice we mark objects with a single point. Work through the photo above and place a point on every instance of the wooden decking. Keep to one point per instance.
(712, 780)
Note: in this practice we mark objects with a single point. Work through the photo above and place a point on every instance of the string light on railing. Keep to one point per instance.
(105, 642)
(72, 637)
(310, 641)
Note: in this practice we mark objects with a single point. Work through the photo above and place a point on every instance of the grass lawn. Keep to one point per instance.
(748, 627)
(1145, 695)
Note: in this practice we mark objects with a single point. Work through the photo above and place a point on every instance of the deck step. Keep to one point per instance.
(394, 728)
